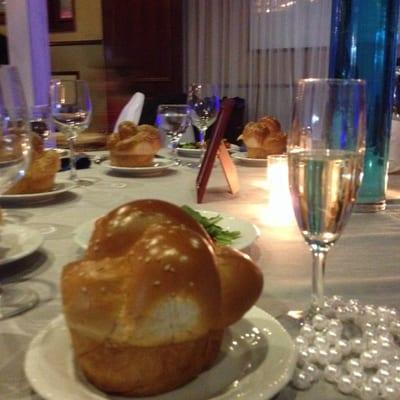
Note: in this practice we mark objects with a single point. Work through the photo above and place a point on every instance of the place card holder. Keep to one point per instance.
(217, 147)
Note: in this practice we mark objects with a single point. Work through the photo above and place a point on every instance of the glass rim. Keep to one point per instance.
(338, 81)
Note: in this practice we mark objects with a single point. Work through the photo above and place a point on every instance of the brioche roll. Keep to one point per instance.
(148, 304)
(263, 138)
(133, 146)
(41, 172)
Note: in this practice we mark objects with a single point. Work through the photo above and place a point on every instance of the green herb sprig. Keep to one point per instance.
(217, 233)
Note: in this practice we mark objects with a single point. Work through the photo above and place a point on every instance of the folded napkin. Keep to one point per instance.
(132, 110)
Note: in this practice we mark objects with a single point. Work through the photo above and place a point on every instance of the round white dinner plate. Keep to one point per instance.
(256, 361)
(58, 188)
(253, 162)
(249, 232)
(197, 152)
(159, 165)
(18, 241)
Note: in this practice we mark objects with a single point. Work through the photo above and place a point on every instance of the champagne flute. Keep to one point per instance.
(15, 150)
(71, 110)
(173, 120)
(326, 146)
(204, 102)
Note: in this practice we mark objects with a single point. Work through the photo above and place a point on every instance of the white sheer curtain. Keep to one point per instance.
(257, 49)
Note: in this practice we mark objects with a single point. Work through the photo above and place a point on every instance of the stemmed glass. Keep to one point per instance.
(326, 147)
(204, 102)
(15, 150)
(173, 119)
(71, 110)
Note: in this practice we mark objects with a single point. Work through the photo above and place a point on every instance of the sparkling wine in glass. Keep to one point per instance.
(204, 102)
(326, 147)
(71, 110)
(173, 120)
(15, 148)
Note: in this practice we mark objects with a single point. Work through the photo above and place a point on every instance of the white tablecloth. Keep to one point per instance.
(364, 264)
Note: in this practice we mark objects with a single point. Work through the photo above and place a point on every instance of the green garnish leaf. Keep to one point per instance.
(217, 233)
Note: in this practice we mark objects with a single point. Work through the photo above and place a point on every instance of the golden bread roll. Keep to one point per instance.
(263, 138)
(148, 304)
(133, 145)
(41, 172)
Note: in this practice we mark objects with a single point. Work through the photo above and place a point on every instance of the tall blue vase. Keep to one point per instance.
(363, 45)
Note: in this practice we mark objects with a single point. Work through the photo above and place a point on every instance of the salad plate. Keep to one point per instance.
(248, 231)
(58, 188)
(158, 166)
(256, 361)
(253, 162)
(18, 241)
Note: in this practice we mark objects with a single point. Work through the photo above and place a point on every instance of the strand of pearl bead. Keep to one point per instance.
(353, 346)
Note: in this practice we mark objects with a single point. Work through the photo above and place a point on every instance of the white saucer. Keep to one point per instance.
(159, 166)
(253, 162)
(58, 188)
(18, 241)
(257, 360)
(249, 232)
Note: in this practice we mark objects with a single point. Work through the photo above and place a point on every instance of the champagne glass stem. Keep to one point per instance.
(202, 136)
(318, 276)
(72, 157)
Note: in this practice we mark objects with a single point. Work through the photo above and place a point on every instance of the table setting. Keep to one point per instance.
(64, 246)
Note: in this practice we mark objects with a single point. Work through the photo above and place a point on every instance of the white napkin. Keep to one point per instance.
(132, 110)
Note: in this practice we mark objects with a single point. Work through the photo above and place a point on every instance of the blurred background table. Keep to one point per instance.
(364, 264)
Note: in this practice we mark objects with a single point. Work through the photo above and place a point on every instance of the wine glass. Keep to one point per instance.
(326, 146)
(15, 150)
(71, 110)
(173, 119)
(204, 102)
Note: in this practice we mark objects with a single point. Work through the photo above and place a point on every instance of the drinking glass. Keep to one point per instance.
(71, 110)
(326, 146)
(15, 150)
(173, 119)
(204, 102)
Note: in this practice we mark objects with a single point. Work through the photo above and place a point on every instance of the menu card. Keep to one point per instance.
(217, 147)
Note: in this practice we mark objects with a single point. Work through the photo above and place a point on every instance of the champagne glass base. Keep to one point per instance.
(14, 301)
(370, 207)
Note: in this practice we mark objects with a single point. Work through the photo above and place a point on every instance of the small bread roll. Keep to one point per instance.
(148, 304)
(263, 138)
(133, 146)
(41, 172)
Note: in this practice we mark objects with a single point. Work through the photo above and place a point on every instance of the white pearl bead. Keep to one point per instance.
(313, 351)
(368, 392)
(346, 384)
(301, 341)
(375, 381)
(353, 364)
(321, 342)
(394, 327)
(358, 377)
(332, 336)
(303, 357)
(368, 359)
(344, 346)
(357, 345)
(332, 373)
(319, 322)
(335, 356)
(383, 373)
(322, 357)
(390, 393)
(301, 380)
(307, 332)
(343, 313)
(313, 372)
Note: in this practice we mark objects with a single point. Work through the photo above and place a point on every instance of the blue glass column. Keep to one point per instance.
(363, 45)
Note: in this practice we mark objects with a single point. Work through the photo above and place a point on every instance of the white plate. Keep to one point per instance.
(58, 188)
(159, 165)
(17, 241)
(257, 360)
(254, 162)
(249, 232)
(197, 152)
